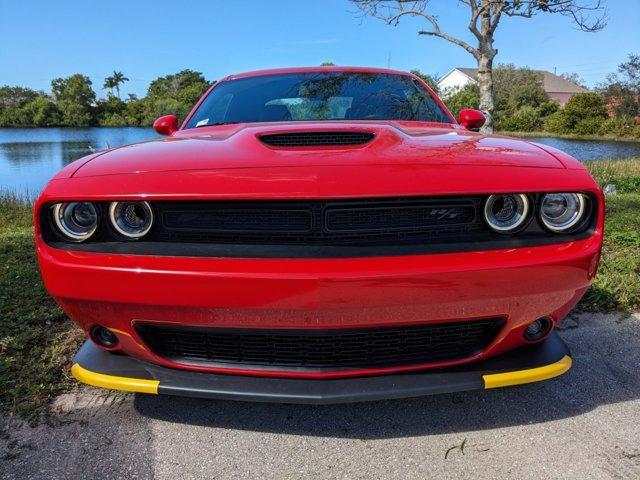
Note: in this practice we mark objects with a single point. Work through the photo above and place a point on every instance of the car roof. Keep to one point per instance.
(281, 71)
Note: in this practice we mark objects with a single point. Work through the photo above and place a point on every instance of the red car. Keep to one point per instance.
(320, 235)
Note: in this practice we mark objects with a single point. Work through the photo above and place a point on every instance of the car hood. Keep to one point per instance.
(394, 143)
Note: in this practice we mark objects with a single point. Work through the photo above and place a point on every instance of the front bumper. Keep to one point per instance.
(518, 285)
(527, 364)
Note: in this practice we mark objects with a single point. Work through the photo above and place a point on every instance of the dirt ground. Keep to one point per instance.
(585, 424)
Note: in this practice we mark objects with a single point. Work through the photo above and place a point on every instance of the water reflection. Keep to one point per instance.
(30, 157)
(23, 153)
(590, 150)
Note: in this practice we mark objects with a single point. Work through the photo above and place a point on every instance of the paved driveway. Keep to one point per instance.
(586, 424)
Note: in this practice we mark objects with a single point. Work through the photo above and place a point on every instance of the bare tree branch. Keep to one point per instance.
(485, 16)
(589, 16)
(391, 11)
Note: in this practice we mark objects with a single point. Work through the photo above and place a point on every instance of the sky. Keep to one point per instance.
(145, 39)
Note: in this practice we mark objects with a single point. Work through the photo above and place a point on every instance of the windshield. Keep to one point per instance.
(318, 96)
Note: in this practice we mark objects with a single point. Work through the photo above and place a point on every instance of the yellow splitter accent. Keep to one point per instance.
(113, 382)
(519, 377)
(493, 380)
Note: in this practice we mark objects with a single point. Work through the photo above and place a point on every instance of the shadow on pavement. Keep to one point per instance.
(606, 354)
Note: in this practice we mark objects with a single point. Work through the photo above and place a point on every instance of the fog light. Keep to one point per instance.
(104, 337)
(538, 329)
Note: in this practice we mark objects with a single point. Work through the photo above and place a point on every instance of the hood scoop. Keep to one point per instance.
(316, 139)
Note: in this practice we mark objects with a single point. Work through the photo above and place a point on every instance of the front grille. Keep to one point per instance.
(320, 349)
(316, 139)
(317, 222)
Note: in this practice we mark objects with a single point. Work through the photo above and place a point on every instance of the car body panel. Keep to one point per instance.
(240, 147)
(405, 159)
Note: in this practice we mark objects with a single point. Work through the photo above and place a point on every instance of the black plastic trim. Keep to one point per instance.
(330, 391)
(227, 250)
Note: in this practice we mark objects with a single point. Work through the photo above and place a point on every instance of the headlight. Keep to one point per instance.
(561, 212)
(131, 219)
(506, 213)
(76, 220)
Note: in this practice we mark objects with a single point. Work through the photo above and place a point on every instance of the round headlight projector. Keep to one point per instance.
(561, 212)
(76, 220)
(132, 220)
(507, 213)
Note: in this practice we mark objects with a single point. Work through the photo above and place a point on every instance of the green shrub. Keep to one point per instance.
(547, 108)
(620, 127)
(588, 126)
(585, 105)
(113, 120)
(526, 119)
(558, 122)
(467, 97)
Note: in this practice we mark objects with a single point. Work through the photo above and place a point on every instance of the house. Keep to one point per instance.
(556, 87)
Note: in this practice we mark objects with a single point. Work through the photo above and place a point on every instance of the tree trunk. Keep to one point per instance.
(485, 83)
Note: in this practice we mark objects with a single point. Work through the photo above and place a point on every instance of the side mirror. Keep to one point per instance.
(471, 119)
(166, 124)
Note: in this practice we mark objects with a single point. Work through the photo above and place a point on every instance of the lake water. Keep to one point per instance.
(30, 157)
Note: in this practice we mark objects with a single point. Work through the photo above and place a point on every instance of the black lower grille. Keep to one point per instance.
(320, 349)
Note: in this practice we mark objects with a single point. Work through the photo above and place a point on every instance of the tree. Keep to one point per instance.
(40, 112)
(75, 99)
(173, 85)
(621, 90)
(176, 93)
(574, 78)
(114, 81)
(426, 78)
(584, 114)
(109, 84)
(467, 97)
(327, 64)
(484, 16)
(16, 96)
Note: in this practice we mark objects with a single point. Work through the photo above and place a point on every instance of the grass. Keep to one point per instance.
(37, 341)
(617, 285)
(626, 138)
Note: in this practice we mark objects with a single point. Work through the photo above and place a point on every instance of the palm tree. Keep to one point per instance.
(110, 84)
(114, 81)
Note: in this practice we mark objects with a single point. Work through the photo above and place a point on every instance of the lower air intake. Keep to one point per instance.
(320, 349)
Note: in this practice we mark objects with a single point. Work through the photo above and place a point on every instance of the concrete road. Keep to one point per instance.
(585, 424)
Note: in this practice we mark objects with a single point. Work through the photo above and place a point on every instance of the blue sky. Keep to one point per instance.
(146, 39)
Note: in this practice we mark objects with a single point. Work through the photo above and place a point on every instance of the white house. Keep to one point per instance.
(556, 87)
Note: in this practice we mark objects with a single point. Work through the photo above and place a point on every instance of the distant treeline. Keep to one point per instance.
(73, 102)
(521, 102)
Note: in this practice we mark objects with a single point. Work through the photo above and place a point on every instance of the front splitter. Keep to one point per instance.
(531, 363)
